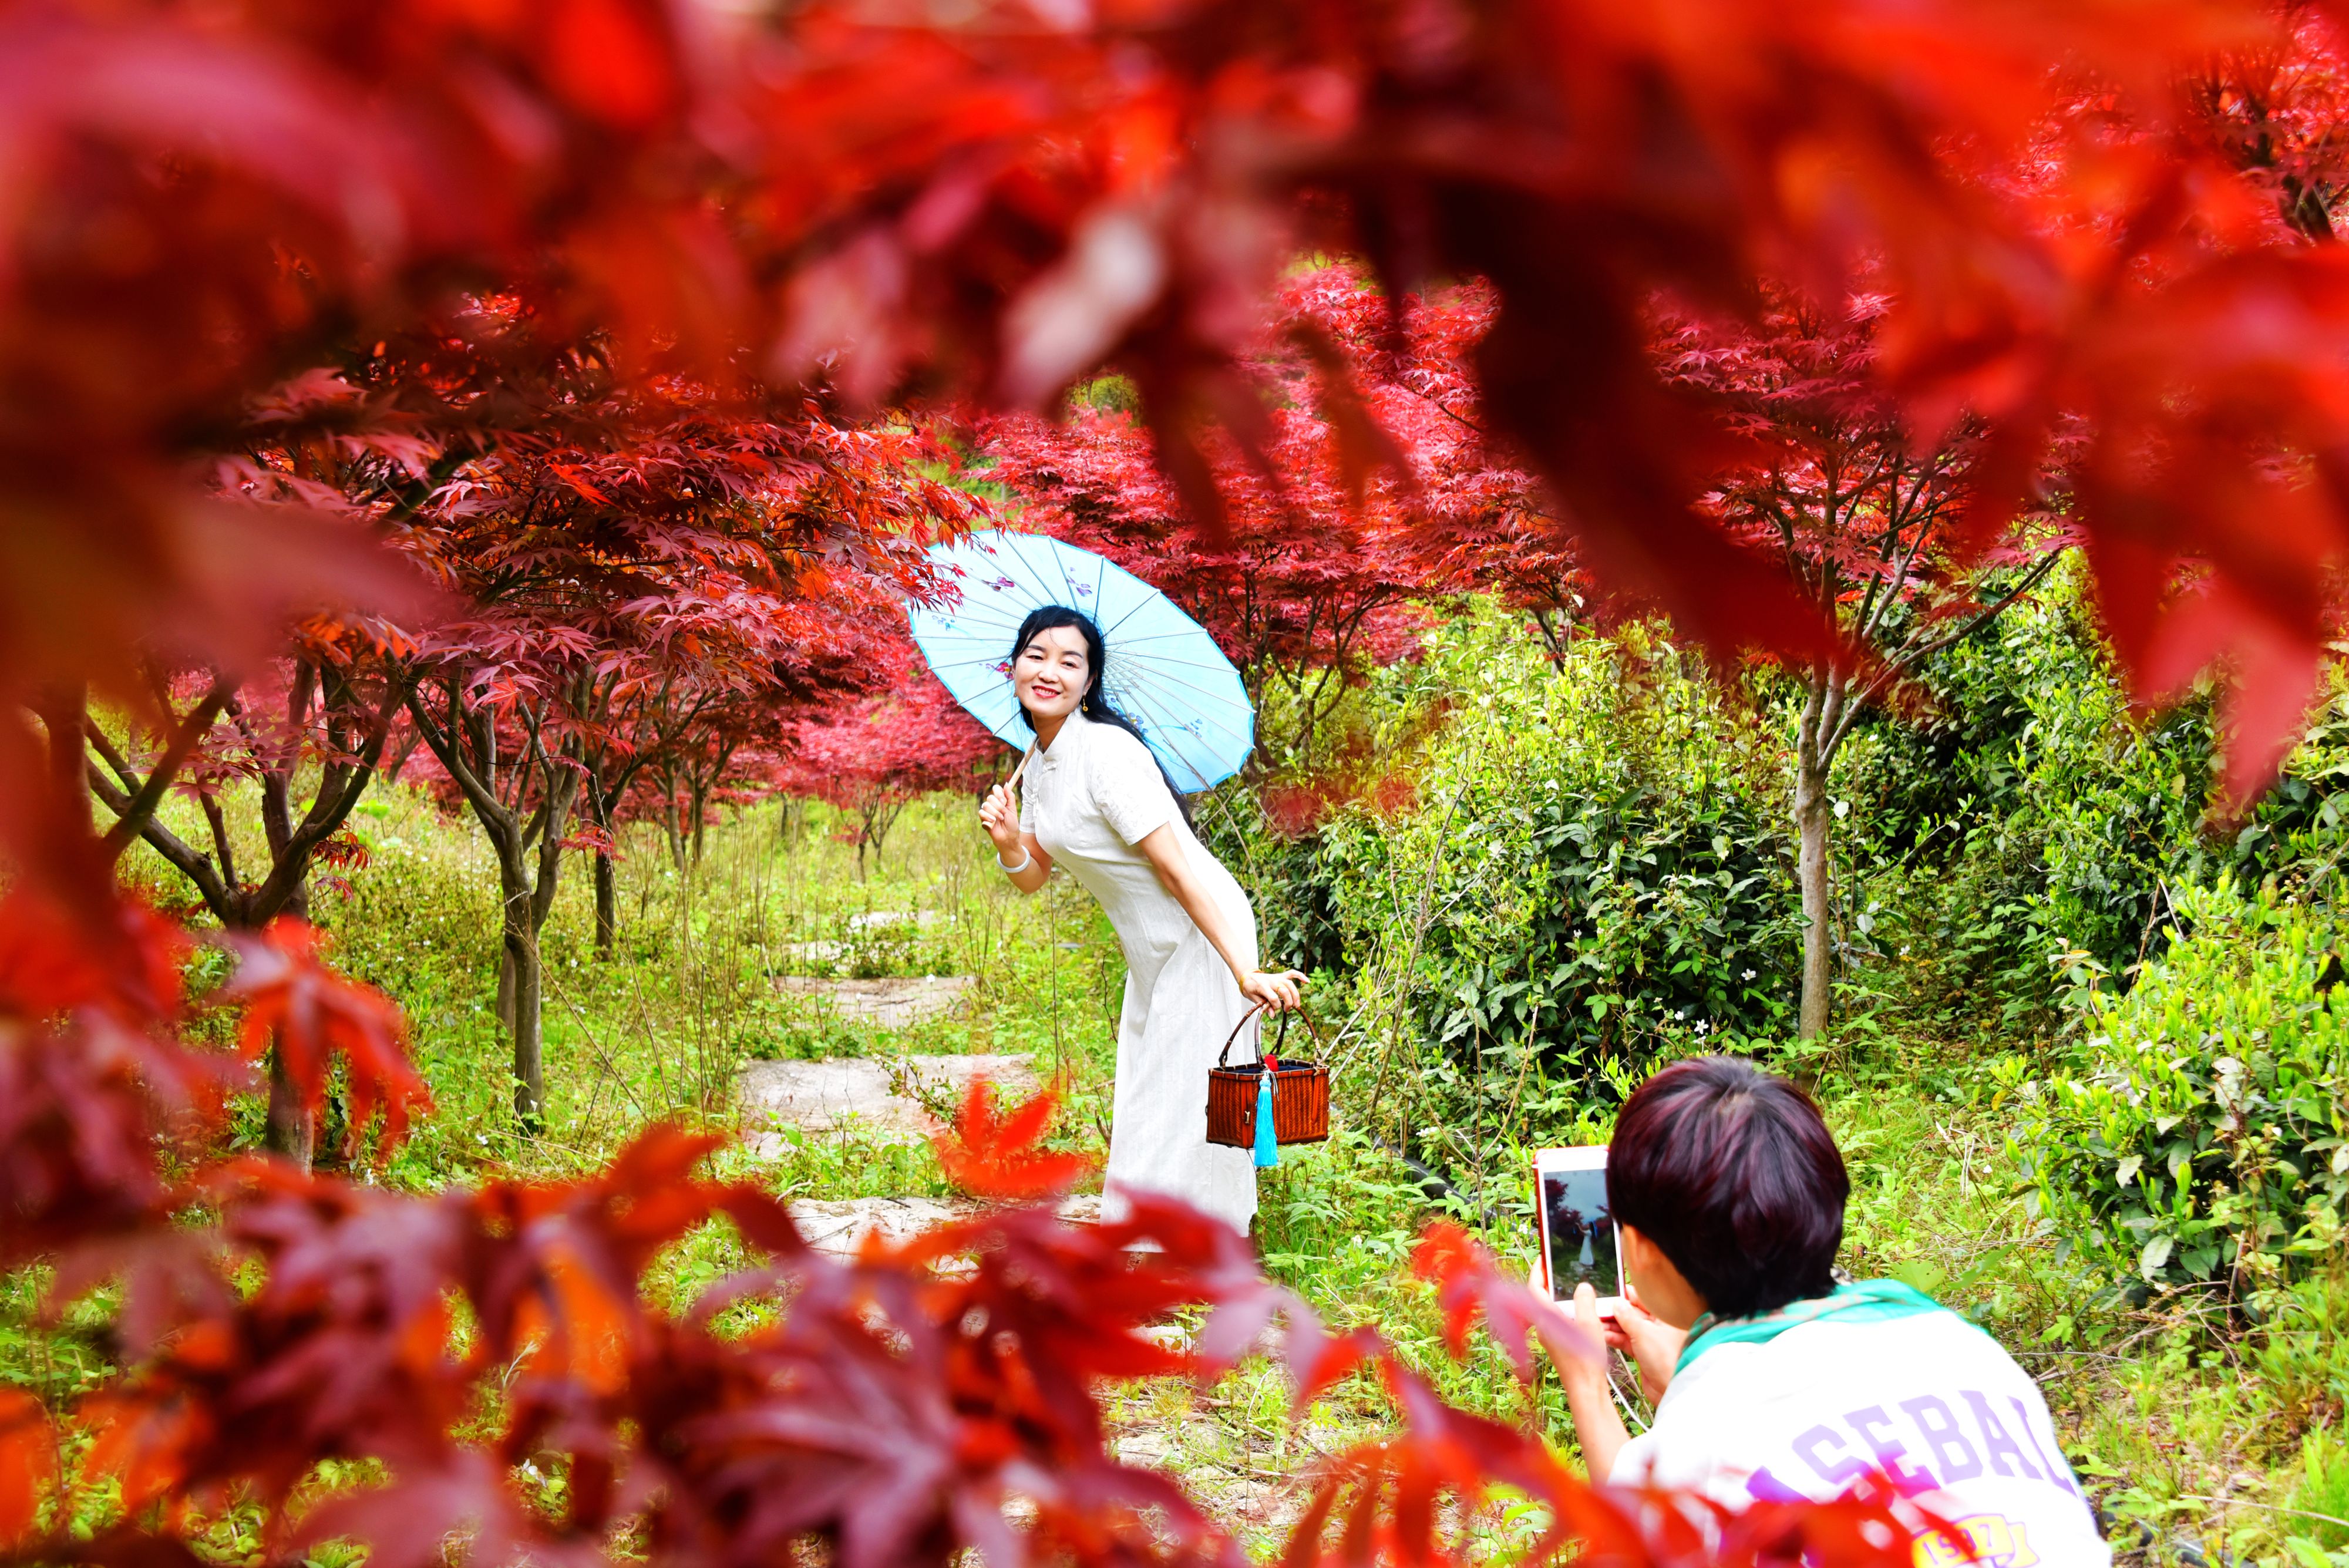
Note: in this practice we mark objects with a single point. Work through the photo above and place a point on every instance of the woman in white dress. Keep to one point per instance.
(1096, 801)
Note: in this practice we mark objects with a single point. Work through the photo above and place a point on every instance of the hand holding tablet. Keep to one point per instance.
(1577, 1229)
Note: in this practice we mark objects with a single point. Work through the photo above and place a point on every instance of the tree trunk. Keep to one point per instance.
(467, 745)
(529, 1069)
(518, 996)
(505, 988)
(1557, 639)
(1811, 816)
(1814, 818)
(292, 1127)
(673, 825)
(292, 1130)
(607, 905)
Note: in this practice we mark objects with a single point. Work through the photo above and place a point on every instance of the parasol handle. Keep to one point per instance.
(1013, 782)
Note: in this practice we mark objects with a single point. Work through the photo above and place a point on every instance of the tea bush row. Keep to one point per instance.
(2200, 1133)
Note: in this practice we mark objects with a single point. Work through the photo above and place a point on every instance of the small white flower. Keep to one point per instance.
(1749, 974)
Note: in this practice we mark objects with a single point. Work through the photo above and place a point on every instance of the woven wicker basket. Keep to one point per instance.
(1300, 1093)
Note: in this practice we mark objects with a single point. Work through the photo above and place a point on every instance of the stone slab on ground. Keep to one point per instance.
(918, 919)
(843, 1092)
(838, 1226)
(892, 1003)
(828, 951)
(1255, 1481)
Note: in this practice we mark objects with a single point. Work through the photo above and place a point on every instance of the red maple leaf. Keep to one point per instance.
(1470, 1282)
(28, 1463)
(298, 1006)
(993, 1155)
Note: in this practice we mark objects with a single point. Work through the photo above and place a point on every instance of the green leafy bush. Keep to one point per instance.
(1595, 870)
(2200, 1133)
(2029, 811)
(2026, 810)
(1649, 917)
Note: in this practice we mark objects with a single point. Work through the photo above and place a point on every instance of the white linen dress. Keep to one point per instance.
(1089, 798)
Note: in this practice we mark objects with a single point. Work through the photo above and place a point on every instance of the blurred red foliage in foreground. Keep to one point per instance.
(2094, 227)
(921, 1399)
(2089, 222)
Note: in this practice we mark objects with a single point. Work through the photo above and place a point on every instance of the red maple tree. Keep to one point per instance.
(629, 563)
(1312, 571)
(872, 758)
(688, 732)
(1822, 470)
(2276, 106)
(1006, 211)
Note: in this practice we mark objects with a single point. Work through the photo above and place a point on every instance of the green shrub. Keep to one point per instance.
(2302, 1353)
(2199, 1135)
(1287, 877)
(1650, 918)
(2028, 810)
(1593, 872)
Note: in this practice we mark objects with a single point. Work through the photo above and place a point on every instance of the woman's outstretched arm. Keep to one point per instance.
(1273, 989)
(1011, 846)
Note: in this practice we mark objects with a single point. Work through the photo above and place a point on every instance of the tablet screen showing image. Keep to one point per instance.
(1581, 1239)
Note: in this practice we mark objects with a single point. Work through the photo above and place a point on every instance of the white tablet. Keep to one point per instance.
(1577, 1230)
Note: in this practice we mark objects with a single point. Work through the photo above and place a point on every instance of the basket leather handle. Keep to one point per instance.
(1224, 1058)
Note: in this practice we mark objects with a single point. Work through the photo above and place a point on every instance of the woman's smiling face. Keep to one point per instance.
(1052, 674)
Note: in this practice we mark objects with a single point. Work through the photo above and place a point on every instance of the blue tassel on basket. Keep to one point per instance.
(1267, 1145)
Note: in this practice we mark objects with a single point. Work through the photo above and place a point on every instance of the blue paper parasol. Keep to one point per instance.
(1164, 672)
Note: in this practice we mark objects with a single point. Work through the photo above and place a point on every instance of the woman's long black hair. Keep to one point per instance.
(1095, 704)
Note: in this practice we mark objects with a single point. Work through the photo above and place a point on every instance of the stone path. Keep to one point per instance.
(838, 1227)
(1248, 1477)
(840, 1092)
(827, 951)
(884, 1003)
(915, 918)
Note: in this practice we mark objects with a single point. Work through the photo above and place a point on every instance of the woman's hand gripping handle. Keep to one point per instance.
(1019, 855)
(1276, 991)
(1000, 817)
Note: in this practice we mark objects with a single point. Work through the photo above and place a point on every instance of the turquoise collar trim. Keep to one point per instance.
(1869, 1301)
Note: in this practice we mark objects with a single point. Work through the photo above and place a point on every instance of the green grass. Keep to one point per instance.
(661, 1029)
(2201, 1426)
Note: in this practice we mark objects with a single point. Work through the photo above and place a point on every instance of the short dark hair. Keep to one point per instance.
(1733, 1174)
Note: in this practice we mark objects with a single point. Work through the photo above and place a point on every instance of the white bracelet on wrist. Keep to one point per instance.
(1026, 860)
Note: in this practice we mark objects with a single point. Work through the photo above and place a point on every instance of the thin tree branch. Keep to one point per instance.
(140, 806)
(1895, 669)
(185, 859)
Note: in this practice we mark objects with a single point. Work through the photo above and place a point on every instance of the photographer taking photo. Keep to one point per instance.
(1771, 1381)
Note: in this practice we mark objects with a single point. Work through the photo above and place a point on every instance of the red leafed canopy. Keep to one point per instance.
(2075, 229)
